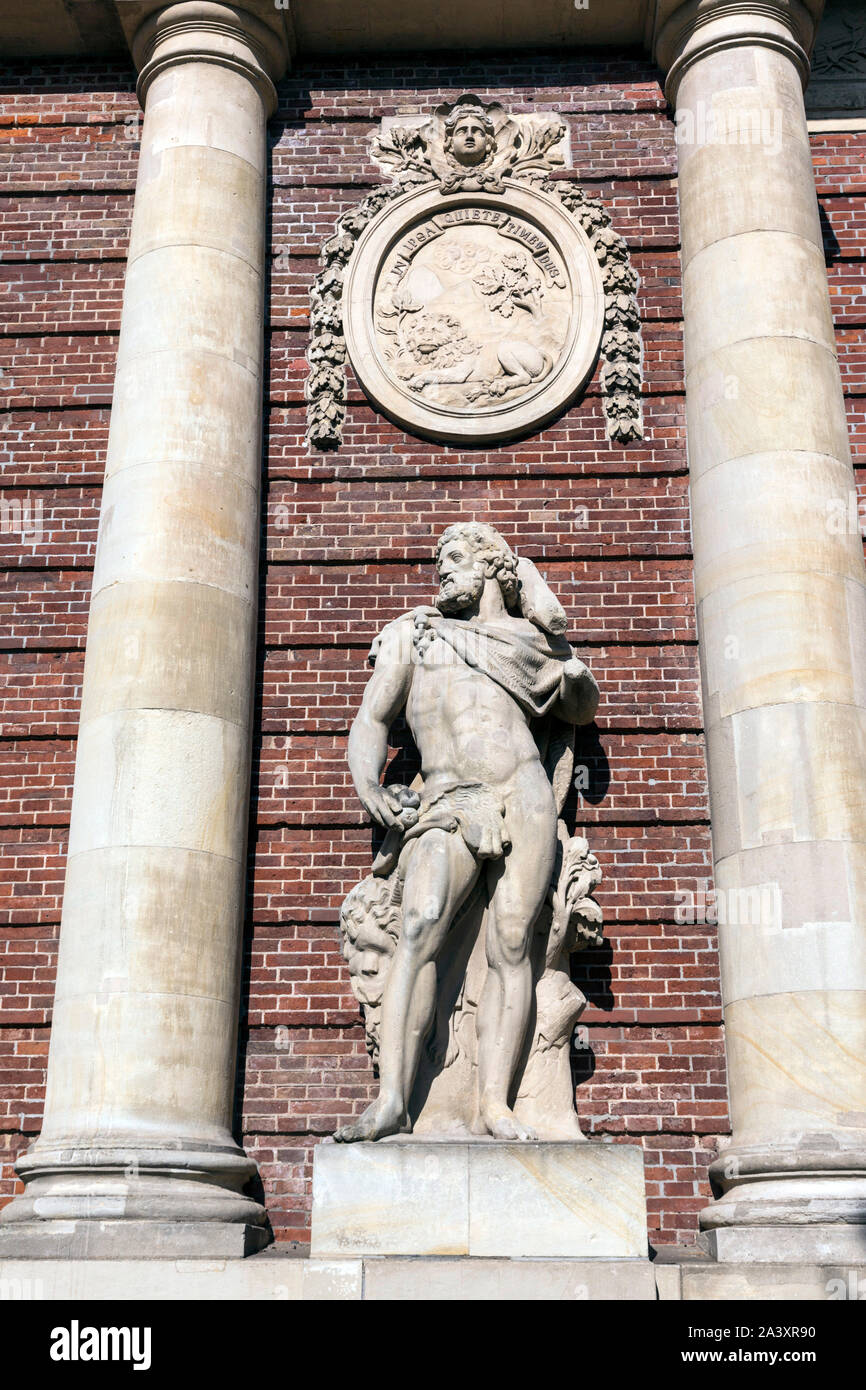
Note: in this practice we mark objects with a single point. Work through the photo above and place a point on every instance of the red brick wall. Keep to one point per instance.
(349, 538)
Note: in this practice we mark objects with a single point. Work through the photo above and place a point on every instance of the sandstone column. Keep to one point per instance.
(781, 601)
(136, 1155)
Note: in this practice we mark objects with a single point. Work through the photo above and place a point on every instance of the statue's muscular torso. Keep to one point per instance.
(467, 728)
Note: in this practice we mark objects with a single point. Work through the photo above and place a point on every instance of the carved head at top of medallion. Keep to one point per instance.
(469, 135)
(470, 144)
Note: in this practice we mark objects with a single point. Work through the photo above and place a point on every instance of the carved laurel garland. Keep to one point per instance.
(621, 341)
(325, 390)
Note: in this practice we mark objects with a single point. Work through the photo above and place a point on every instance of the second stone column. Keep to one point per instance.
(781, 601)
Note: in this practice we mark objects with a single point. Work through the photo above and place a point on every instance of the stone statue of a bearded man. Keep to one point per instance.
(491, 691)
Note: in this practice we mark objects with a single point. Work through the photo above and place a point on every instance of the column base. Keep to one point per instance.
(804, 1203)
(482, 1198)
(117, 1203)
(130, 1240)
(820, 1244)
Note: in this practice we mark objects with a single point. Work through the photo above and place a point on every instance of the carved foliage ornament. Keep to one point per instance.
(838, 81)
(841, 48)
(472, 291)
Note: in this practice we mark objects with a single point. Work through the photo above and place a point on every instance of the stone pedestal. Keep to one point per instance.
(485, 1199)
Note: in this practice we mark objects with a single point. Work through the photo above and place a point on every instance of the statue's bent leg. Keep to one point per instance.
(441, 872)
(517, 888)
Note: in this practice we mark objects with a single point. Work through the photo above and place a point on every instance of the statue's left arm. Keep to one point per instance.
(578, 693)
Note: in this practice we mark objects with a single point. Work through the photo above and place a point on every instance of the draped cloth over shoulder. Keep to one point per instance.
(528, 664)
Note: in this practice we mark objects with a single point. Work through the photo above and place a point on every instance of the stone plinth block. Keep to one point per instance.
(93, 1238)
(819, 1243)
(530, 1200)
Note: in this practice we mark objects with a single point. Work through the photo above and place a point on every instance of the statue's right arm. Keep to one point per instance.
(386, 694)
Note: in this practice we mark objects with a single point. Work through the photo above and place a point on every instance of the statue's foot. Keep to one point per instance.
(381, 1118)
(502, 1123)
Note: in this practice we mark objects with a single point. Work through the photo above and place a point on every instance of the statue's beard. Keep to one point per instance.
(458, 592)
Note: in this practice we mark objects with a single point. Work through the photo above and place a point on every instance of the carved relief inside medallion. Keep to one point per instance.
(472, 307)
(473, 316)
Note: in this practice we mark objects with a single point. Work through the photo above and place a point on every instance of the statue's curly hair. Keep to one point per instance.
(493, 552)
